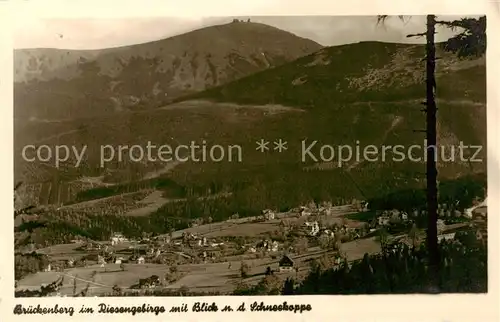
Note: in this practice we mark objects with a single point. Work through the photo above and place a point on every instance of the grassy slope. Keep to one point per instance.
(362, 72)
(369, 92)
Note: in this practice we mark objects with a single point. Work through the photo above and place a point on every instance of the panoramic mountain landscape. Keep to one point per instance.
(260, 215)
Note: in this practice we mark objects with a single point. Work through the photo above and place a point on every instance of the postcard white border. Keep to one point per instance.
(339, 308)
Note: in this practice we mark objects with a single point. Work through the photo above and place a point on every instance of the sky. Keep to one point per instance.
(78, 33)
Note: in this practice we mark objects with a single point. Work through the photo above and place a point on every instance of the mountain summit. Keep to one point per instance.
(93, 82)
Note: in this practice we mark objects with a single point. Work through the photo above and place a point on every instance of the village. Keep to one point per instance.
(221, 256)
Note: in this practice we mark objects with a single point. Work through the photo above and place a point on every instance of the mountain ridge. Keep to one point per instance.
(146, 75)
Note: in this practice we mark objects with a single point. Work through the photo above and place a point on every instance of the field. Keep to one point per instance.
(222, 276)
(215, 277)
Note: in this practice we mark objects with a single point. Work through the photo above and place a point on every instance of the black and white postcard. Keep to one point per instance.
(229, 160)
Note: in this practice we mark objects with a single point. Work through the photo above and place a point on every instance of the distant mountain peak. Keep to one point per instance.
(149, 74)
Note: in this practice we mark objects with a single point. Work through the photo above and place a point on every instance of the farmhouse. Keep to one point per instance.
(117, 238)
(480, 209)
(268, 214)
(70, 262)
(304, 212)
(312, 228)
(286, 264)
(101, 259)
(440, 225)
(328, 233)
(164, 239)
(273, 246)
(449, 236)
(480, 212)
(149, 282)
(383, 220)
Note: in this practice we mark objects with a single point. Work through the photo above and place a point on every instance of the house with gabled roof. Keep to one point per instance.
(286, 264)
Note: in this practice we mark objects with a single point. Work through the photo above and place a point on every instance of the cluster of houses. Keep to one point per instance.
(314, 229)
(444, 212)
(390, 216)
(309, 209)
(194, 240)
(117, 238)
(265, 245)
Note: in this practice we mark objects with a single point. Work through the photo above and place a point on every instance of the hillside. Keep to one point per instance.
(61, 84)
(370, 91)
(367, 92)
(355, 73)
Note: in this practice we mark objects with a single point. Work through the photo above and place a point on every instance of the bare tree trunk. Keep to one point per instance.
(432, 243)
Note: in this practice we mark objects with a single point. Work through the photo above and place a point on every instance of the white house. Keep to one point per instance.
(383, 220)
(118, 260)
(329, 233)
(481, 211)
(140, 260)
(481, 207)
(274, 246)
(304, 211)
(440, 225)
(313, 228)
(449, 236)
(270, 215)
(101, 260)
(117, 238)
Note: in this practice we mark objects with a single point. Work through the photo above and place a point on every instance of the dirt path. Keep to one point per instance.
(418, 101)
(55, 136)
(90, 203)
(271, 108)
(155, 174)
(155, 201)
